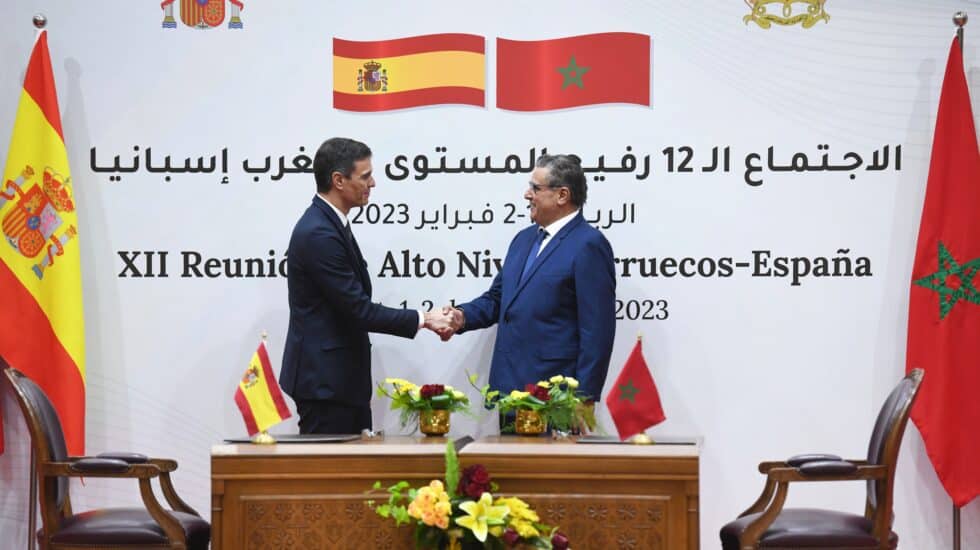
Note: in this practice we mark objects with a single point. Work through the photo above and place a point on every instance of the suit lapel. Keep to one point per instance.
(553, 245)
(357, 260)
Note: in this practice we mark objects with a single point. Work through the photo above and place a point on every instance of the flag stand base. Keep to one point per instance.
(640, 439)
(263, 438)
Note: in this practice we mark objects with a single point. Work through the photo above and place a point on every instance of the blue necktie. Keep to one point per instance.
(533, 255)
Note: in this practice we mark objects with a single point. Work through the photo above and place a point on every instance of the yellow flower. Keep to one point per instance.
(572, 383)
(459, 396)
(544, 384)
(480, 514)
(521, 518)
(556, 379)
(516, 394)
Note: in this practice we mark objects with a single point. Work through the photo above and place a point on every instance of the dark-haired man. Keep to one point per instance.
(326, 365)
(553, 300)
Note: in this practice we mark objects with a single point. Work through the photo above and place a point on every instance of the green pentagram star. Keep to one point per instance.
(627, 392)
(572, 74)
(949, 272)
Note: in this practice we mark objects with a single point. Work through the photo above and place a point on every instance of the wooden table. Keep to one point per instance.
(311, 496)
(602, 496)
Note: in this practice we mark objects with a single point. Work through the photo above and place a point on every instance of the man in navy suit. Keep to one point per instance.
(326, 365)
(554, 299)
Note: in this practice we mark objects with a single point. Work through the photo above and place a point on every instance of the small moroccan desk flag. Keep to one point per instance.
(633, 401)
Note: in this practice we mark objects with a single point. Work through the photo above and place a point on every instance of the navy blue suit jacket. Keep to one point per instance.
(328, 353)
(561, 319)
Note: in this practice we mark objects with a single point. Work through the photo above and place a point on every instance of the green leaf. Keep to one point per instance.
(441, 401)
(452, 468)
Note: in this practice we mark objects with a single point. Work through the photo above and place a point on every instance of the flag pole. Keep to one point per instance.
(40, 21)
(959, 19)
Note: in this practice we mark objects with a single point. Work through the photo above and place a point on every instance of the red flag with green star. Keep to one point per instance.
(542, 75)
(634, 402)
(944, 303)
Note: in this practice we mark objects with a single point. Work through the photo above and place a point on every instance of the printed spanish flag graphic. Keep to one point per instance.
(41, 322)
(542, 75)
(259, 397)
(408, 72)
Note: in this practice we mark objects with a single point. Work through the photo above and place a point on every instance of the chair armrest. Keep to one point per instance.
(800, 460)
(165, 464)
(827, 467)
(99, 466)
(764, 467)
(858, 473)
(128, 458)
(90, 468)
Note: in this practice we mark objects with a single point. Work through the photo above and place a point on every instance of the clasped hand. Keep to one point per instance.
(445, 322)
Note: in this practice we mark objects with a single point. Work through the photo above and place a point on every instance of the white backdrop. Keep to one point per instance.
(760, 367)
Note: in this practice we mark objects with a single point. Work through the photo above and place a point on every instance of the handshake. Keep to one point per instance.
(445, 322)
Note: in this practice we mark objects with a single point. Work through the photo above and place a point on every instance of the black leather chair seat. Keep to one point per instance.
(807, 528)
(121, 526)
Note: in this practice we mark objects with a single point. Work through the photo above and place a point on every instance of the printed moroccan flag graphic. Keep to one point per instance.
(542, 75)
(259, 397)
(40, 273)
(944, 301)
(409, 72)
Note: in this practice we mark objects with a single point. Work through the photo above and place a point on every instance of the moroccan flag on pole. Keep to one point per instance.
(634, 402)
(409, 72)
(944, 303)
(41, 323)
(541, 75)
(259, 397)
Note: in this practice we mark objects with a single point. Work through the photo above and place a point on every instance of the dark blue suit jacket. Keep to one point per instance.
(561, 320)
(328, 354)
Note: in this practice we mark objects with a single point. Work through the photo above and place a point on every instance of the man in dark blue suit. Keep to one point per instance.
(554, 298)
(326, 365)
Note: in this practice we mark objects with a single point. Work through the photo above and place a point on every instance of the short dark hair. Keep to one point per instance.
(566, 171)
(337, 155)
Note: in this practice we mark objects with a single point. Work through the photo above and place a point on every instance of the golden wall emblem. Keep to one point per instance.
(805, 12)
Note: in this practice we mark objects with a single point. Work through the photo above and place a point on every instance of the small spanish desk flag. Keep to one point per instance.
(259, 397)
(408, 72)
(634, 402)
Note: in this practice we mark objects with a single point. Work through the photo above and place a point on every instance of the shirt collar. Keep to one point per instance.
(343, 218)
(556, 225)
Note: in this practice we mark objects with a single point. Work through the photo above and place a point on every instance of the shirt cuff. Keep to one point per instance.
(421, 319)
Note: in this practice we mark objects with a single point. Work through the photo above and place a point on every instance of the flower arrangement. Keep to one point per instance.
(557, 401)
(420, 403)
(462, 513)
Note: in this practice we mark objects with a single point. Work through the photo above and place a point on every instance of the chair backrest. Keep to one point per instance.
(47, 438)
(886, 439)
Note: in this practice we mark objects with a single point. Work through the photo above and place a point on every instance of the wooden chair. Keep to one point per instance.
(766, 524)
(62, 529)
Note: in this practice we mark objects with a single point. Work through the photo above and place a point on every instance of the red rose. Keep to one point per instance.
(511, 537)
(541, 393)
(530, 387)
(559, 541)
(474, 482)
(429, 391)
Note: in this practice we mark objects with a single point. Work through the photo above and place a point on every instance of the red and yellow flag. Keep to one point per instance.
(258, 396)
(41, 323)
(408, 72)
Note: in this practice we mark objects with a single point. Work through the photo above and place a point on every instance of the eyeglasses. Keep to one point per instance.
(535, 188)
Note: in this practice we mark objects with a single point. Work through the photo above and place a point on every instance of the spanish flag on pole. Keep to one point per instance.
(408, 72)
(41, 322)
(259, 397)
